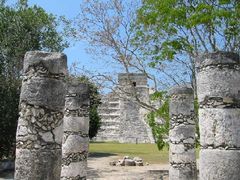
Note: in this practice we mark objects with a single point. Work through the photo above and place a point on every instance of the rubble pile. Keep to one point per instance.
(127, 161)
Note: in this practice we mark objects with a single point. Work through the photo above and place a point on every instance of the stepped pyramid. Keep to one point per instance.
(123, 119)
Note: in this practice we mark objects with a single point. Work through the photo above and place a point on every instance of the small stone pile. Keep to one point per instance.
(127, 161)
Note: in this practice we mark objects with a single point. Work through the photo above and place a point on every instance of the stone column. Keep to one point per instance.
(218, 87)
(182, 134)
(75, 132)
(39, 131)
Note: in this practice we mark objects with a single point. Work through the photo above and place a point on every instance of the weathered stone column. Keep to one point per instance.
(75, 132)
(218, 86)
(182, 134)
(39, 131)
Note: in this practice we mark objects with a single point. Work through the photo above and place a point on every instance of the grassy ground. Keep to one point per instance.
(148, 152)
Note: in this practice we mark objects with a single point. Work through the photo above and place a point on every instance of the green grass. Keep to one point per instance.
(148, 152)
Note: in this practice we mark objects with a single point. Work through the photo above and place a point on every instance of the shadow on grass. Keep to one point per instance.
(100, 154)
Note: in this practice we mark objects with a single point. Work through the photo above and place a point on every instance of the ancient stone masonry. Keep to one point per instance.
(218, 87)
(75, 133)
(39, 131)
(123, 119)
(182, 134)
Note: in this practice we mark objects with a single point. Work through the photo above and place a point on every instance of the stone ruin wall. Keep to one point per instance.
(182, 157)
(51, 143)
(75, 132)
(39, 131)
(218, 87)
(123, 120)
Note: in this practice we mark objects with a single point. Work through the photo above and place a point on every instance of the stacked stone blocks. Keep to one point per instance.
(123, 119)
(218, 87)
(75, 132)
(182, 134)
(39, 131)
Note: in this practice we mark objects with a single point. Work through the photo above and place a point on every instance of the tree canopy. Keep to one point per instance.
(193, 27)
(174, 32)
(22, 29)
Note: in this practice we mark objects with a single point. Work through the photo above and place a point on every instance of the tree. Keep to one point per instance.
(107, 28)
(177, 31)
(22, 29)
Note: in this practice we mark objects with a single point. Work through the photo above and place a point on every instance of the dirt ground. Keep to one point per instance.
(99, 168)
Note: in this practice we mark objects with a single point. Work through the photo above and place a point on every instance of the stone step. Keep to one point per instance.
(108, 111)
(114, 99)
(114, 105)
(115, 115)
(114, 102)
(108, 108)
(110, 123)
(109, 128)
(107, 117)
(117, 120)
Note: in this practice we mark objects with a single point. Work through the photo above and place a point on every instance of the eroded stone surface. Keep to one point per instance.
(182, 172)
(182, 134)
(123, 119)
(218, 164)
(75, 137)
(218, 79)
(39, 131)
(220, 127)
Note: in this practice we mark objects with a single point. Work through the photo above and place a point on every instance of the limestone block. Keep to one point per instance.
(182, 132)
(53, 137)
(74, 144)
(219, 127)
(76, 124)
(37, 164)
(73, 103)
(55, 63)
(182, 173)
(181, 154)
(78, 88)
(218, 80)
(181, 106)
(22, 121)
(218, 164)
(129, 162)
(39, 132)
(22, 130)
(44, 92)
(181, 100)
(218, 75)
(218, 83)
(139, 163)
(216, 58)
(74, 169)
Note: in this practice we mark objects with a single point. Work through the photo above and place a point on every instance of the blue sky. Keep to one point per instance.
(76, 52)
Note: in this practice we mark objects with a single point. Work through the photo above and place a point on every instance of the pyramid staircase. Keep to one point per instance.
(110, 114)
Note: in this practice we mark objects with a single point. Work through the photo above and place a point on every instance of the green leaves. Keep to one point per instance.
(160, 129)
(178, 27)
(22, 29)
